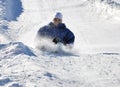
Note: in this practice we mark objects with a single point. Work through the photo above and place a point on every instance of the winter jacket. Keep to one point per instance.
(57, 33)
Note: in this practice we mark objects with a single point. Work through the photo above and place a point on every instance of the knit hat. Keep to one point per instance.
(58, 15)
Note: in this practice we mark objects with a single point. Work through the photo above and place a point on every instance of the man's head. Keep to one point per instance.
(58, 18)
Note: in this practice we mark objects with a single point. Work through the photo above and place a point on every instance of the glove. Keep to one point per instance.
(56, 40)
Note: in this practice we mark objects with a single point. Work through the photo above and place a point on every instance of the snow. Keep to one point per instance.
(16, 49)
(12, 11)
(94, 60)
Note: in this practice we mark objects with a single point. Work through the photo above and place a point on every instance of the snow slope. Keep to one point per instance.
(93, 62)
(51, 70)
(86, 15)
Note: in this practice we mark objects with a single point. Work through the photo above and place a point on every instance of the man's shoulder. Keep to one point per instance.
(45, 26)
(69, 32)
(65, 28)
(49, 25)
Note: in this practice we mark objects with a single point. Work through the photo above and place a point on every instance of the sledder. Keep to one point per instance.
(57, 31)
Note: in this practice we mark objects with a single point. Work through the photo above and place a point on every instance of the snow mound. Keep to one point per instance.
(15, 48)
(4, 81)
(15, 85)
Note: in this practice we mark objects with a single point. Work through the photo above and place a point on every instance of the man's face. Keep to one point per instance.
(57, 21)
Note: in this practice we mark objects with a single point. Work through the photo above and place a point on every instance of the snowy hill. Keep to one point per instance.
(93, 62)
(87, 16)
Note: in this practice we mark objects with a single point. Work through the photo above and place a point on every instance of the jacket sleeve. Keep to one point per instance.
(41, 31)
(70, 38)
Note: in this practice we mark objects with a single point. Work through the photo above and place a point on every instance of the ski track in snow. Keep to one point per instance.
(94, 61)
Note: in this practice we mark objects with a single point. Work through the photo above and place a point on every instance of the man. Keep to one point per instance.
(57, 31)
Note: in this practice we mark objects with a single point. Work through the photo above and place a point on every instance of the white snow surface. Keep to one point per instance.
(93, 62)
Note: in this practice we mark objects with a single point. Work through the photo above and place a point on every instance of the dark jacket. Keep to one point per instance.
(57, 33)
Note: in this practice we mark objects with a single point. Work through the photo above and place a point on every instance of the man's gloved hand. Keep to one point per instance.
(56, 40)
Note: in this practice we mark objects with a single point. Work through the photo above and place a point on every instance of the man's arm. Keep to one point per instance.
(41, 31)
(70, 38)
